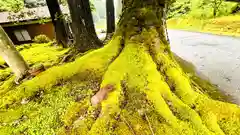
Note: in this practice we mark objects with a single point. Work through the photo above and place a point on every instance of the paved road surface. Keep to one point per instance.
(216, 57)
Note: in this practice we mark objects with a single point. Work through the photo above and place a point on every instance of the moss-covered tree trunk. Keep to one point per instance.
(12, 57)
(83, 26)
(61, 32)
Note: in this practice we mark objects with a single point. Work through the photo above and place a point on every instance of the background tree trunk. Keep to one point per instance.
(87, 17)
(61, 32)
(110, 18)
(12, 57)
(82, 25)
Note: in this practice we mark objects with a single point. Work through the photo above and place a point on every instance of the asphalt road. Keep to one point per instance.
(216, 57)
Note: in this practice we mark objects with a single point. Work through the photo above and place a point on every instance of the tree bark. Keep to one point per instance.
(12, 57)
(83, 26)
(60, 26)
(138, 16)
(110, 18)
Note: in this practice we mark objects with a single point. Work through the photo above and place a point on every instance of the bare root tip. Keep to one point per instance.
(95, 101)
(102, 94)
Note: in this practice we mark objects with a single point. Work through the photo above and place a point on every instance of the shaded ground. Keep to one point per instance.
(216, 57)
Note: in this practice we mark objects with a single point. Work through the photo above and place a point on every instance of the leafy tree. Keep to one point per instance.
(201, 8)
(34, 3)
(179, 8)
(214, 4)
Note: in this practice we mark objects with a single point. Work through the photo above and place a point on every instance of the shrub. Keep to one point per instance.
(41, 39)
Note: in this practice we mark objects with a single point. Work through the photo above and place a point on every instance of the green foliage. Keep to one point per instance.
(35, 3)
(179, 8)
(11, 5)
(201, 8)
(41, 39)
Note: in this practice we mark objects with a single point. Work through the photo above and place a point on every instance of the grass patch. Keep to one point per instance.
(226, 25)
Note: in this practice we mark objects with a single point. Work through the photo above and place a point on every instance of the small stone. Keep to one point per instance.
(24, 117)
(24, 101)
(141, 112)
(16, 122)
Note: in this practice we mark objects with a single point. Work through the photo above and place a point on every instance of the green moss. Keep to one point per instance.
(40, 53)
(198, 101)
(94, 63)
(73, 112)
(48, 96)
(4, 74)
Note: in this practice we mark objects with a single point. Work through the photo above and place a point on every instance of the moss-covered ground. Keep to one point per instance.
(35, 54)
(226, 25)
(146, 99)
(52, 100)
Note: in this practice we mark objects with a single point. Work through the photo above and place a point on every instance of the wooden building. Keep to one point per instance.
(24, 25)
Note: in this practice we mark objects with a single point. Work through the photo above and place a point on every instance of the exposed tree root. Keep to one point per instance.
(91, 65)
(149, 98)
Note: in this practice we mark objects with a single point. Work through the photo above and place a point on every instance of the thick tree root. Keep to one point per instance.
(89, 66)
(151, 95)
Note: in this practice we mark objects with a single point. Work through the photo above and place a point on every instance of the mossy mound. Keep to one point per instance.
(151, 95)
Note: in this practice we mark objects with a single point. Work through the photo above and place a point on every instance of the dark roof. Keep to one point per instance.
(27, 14)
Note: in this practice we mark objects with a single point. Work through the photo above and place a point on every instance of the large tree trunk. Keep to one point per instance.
(110, 18)
(14, 60)
(60, 26)
(143, 90)
(83, 26)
